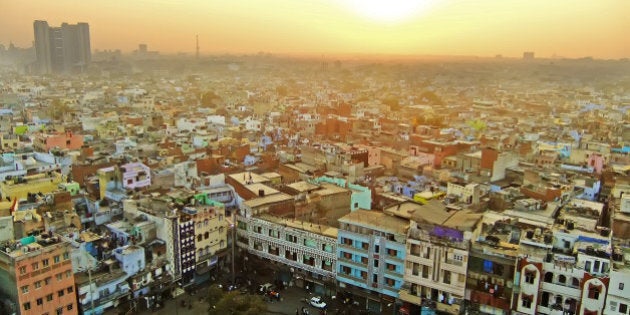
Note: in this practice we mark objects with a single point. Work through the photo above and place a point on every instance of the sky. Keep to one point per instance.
(567, 28)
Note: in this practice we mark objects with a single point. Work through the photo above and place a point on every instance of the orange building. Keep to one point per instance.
(46, 141)
(36, 275)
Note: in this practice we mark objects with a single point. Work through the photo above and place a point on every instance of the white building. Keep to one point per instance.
(301, 245)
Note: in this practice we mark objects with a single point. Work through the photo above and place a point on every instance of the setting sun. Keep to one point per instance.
(389, 10)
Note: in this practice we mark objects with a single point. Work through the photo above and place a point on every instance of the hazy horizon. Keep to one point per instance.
(484, 28)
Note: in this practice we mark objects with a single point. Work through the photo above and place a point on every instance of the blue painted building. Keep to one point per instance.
(371, 255)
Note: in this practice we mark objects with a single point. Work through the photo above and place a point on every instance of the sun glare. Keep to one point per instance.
(389, 10)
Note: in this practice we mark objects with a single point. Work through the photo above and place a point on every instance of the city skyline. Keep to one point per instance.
(571, 29)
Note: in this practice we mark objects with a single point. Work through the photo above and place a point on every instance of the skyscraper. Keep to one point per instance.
(62, 49)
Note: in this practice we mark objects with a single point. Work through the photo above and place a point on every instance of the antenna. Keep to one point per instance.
(197, 54)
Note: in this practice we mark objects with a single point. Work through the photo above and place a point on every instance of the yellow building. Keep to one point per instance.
(9, 142)
(38, 183)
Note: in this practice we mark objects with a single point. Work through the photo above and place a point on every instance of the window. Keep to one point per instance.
(346, 270)
(47, 281)
(24, 289)
(375, 263)
(27, 306)
(364, 274)
(526, 302)
(562, 279)
(70, 289)
(60, 293)
(49, 297)
(45, 262)
(199, 238)
(59, 276)
(587, 266)
(593, 293)
(529, 277)
(38, 284)
(22, 270)
(575, 282)
(544, 301)
(623, 308)
(364, 260)
(447, 277)
(60, 311)
(206, 235)
(69, 307)
(621, 286)
(68, 273)
(40, 301)
(425, 271)
(56, 259)
(66, 256)
(35, 265)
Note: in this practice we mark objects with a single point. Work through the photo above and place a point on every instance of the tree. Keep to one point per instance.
(235, 303)
(58, 109)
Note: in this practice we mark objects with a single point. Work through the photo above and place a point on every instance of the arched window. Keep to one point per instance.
(562, 279)
(548, 276)
(575, 282)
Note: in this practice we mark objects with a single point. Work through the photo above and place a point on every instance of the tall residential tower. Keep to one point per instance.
(62, 49)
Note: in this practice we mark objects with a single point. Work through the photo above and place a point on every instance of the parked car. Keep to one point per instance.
(317, 302)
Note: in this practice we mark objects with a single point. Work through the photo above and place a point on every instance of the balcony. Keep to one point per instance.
(352, 279)
(393, 258)
(352, 248)
(565, 289)
(394, 273)
(493, 300)
(420, 260)
(351, 262)
(407, 296)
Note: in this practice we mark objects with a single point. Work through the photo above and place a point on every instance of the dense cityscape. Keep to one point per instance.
(264, 183)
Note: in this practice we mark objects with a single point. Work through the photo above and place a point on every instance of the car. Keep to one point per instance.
(317, 302)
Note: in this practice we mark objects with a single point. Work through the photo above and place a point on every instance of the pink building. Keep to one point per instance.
(45, 141)
(596, 161)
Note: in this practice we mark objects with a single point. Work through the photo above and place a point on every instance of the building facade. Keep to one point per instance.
(308, 249)
(62, 49)
(36, 276)
(371, 255)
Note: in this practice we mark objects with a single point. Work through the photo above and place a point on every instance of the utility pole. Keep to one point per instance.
(91, 294)
(233, 225)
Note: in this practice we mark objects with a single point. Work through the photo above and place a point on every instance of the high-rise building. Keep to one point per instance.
(62, 49)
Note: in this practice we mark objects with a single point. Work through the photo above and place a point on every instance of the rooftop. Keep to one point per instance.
(321, 229)
(376, 220)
